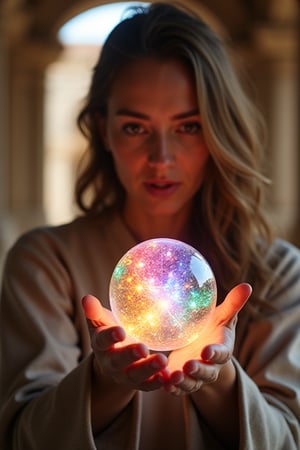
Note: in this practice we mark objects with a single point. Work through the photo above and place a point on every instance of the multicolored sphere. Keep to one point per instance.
(162, 292)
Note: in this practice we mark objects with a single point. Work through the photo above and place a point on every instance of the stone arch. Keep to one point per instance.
(265, 33)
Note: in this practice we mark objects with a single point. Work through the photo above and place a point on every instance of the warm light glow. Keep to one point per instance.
(162, 292)
(93, 26)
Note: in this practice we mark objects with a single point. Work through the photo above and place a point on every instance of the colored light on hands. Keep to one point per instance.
(162, 292)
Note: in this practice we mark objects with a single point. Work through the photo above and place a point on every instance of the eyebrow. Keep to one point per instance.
(138, 115)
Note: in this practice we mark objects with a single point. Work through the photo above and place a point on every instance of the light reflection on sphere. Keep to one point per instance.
(162, 292)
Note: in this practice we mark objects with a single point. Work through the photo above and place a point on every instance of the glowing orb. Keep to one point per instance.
(162, 292)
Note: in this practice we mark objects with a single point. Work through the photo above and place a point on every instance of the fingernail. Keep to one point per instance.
(211, 354)
(115, 336)
(208, 354)
(156, 364)
(193, 368)
(137, 353)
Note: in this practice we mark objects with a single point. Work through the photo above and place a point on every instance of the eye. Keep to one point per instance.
(190, 127)
(134, 129)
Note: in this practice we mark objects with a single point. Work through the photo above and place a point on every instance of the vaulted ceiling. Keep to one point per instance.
(38, 19)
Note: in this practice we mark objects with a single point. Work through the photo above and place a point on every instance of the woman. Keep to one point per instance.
(174, 151)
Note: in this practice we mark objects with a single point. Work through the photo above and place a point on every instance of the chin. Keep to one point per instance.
(164, 212)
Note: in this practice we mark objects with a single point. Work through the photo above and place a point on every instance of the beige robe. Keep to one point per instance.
(46, 359)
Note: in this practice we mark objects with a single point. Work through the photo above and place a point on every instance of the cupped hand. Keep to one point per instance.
(201, 361)
(117, 356)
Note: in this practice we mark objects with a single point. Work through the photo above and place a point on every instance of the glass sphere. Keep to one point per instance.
(162, 292)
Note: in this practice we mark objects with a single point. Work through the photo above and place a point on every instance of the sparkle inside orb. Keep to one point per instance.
(162, 292)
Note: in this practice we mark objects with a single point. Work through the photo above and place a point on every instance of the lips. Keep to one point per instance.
(161, 188)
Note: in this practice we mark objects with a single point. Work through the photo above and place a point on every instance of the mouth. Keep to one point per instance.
(161, 187)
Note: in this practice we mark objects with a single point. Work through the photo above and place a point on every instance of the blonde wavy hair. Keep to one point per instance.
(228, 210)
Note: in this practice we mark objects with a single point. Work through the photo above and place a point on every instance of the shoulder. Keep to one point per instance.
(282, 255)
(78, 247)
(283, 286)
(81, 228)
(282, 246)
(77, 236)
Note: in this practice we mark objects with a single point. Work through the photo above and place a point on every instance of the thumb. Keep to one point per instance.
(95, 312)
(234, 302)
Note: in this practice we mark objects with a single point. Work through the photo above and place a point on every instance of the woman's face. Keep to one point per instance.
(153, 129)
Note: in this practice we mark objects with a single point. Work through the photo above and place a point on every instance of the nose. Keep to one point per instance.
(161, 151)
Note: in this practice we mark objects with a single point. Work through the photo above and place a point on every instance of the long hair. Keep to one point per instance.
(228, 209)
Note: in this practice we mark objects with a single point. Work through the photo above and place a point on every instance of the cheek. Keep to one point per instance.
(198, 162)
(196, 170)
(113, 139)
(125, 168)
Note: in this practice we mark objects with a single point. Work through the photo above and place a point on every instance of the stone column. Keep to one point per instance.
(7, 229)
(275, 68)
(26, 121)
(22, 64)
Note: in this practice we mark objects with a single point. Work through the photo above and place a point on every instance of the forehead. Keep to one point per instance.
(145, 68)
(150, 80)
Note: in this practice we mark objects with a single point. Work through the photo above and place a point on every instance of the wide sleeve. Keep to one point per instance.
(268, 362)
(45, 375)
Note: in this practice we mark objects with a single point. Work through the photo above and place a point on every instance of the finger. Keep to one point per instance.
(234, 302)
(122, 358)
(143, 369)
(192, 378)
(119, 359)
(172, 389)
(201, 372)
(105, 337)
(189, 385)
(216, 354)
(151, 384)
(176, 377)
(95, 312)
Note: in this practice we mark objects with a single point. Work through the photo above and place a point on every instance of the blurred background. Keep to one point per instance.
(47, 52)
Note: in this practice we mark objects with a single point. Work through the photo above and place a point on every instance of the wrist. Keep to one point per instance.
(217, 402)
(225, 381)
(102, 383)
(108, 398)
